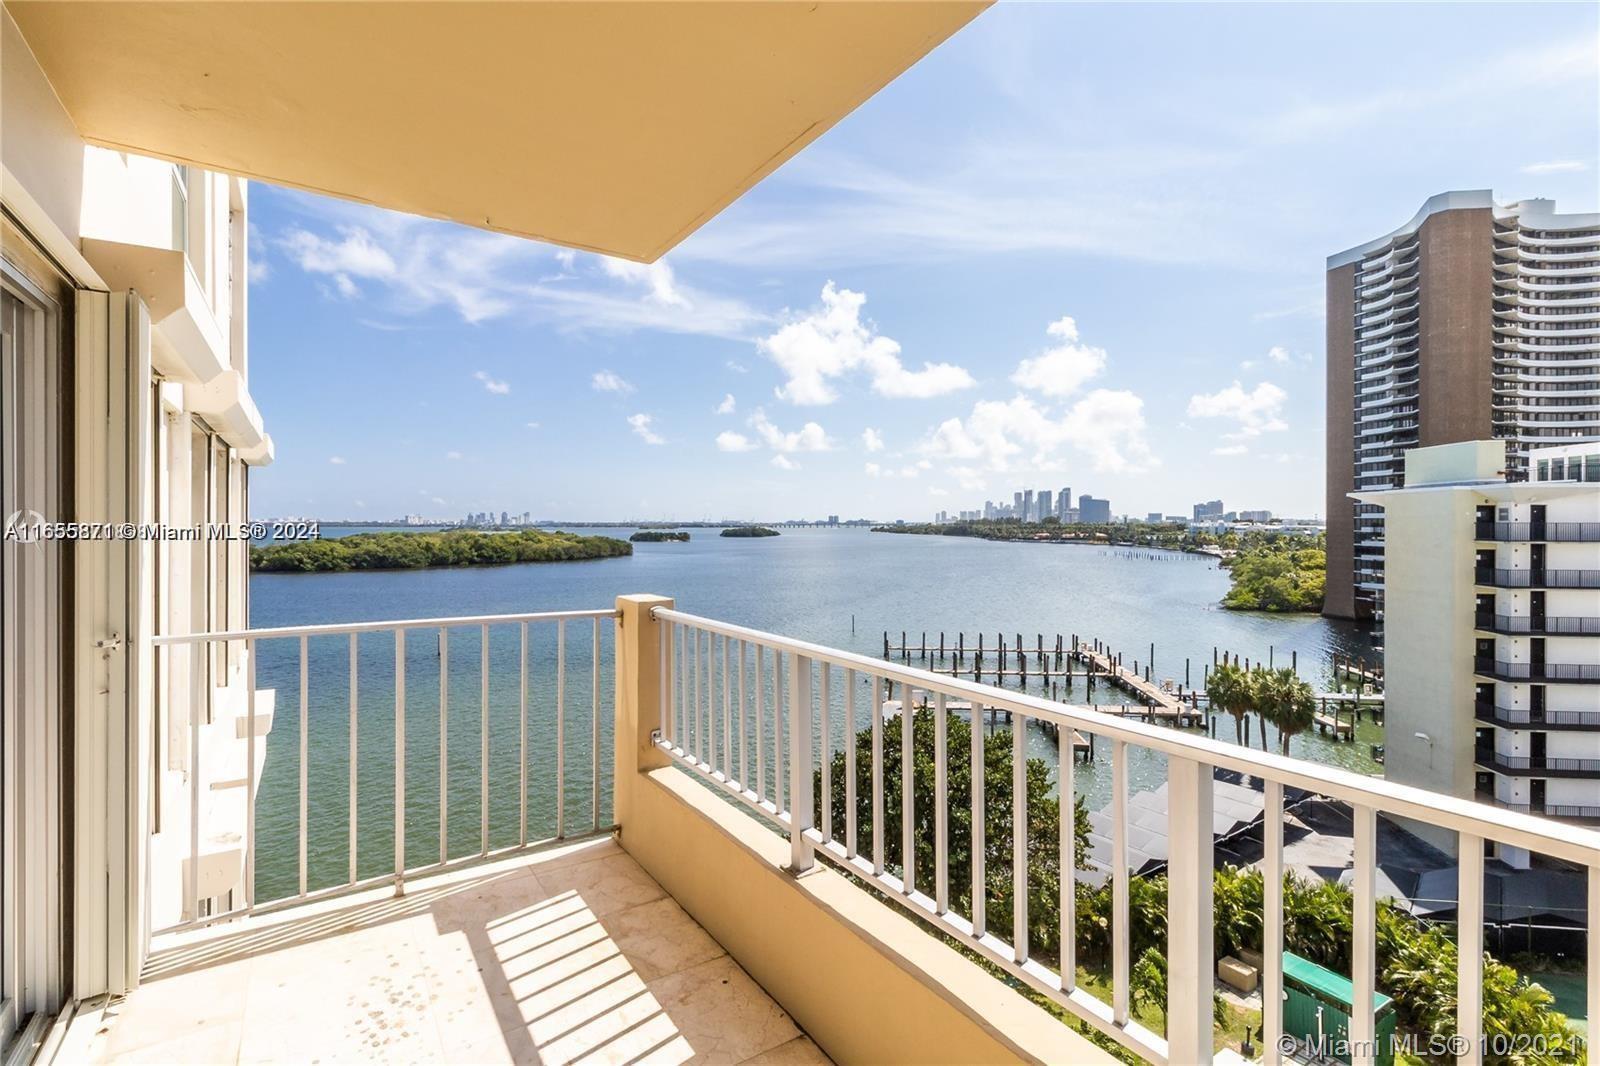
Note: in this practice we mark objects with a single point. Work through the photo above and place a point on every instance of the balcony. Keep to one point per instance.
(1550, 625)
(1537, 766)
(1585, 532)
(1571, 811)
(698, 887)
(1504, 671)
(1536, 579)
(1524, 718)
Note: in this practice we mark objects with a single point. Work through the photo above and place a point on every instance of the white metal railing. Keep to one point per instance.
(752, 713)
(198, 909)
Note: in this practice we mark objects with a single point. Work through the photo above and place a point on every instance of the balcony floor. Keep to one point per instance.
(570, 955)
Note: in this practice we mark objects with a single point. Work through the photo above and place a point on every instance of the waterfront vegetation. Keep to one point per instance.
(415, 551)
(659, 536)
(1278, 575)
(1277, 697)
(749, 531)
(1271, 570)
(1416, 960)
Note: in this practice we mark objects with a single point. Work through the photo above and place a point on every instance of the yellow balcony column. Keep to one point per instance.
(641, 696)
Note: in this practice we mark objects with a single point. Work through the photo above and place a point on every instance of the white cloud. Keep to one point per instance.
(1278, 354)
(935, 491)
(499, 388)
(418, 264)
(641, 424)
(438, 501)
(729, 441)
(1064, 369)
(1107, 426)
(355, 254)
(873, 470)
(832, 341)
(1230, 449)
(533, 425)
(606, 381)
(1255, 412)
(727, 405)
(656, 277)
(808, 438)
(871, 440)
(452, 455)
(1556, 166)
(783, 462)
(336, 460)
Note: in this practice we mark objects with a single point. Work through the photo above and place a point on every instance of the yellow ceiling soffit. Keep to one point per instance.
(615, 127)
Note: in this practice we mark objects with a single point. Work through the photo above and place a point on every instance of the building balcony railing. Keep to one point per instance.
(1573, 811)
(1536, 579)
(1549, 625)
(1504, 671)
(1524, 717)
(1586, 532)
(794, 734)
(1537, 765)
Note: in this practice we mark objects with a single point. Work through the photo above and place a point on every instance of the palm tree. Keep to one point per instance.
(1230, 689)
(1287, 701)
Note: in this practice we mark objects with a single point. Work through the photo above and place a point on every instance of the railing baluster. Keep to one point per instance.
(1019, 838)
(1191, 968)
(483, 743)
(444, 744)
(711, 701)
(801, 857)
(1469, 948)
(727, 714)
(399, 762)
(594, 730)
(744, 760)
(684, 668)
(249, 773)
(355, 702)
(879, 830)
(850, 763)
(761, 721)
(305, 757)
(1272, 923)
(1119, 882)
(561, 728)
(908, 851)
(1363, 954)
(777, 728)
(826, 748)
(1592, 966)
(522, 733)
(979, 883)
(941, 809)
(196, 691)
(699, 682)
(669, 675)
(1067, 754)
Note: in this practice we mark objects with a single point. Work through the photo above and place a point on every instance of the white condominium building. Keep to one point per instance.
(1492, 658)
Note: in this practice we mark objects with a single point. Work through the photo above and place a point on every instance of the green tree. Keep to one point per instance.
(1043, 819)
(1232, 689)
(1287, 701)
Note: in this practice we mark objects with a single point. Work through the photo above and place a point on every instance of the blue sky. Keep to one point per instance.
(1077, 245)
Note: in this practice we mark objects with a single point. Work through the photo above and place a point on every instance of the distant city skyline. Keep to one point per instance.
(1026, 262)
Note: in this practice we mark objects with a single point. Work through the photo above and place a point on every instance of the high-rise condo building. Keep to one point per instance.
(1046, 505)
(1016, 506)
(1209, 509)
(1473, 321)
(1492, 656)
(1093, 510)
(1027, 513)
(1063, 503)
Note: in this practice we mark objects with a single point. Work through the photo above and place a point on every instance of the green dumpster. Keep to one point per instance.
(1316, 1010)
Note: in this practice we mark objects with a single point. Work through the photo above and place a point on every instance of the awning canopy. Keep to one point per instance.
(613, 127)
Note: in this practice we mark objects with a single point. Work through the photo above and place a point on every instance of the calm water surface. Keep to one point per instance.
(838, 587)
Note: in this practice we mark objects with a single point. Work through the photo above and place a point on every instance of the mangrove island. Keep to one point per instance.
(415, 551)
(749, 531)
(658, 536)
